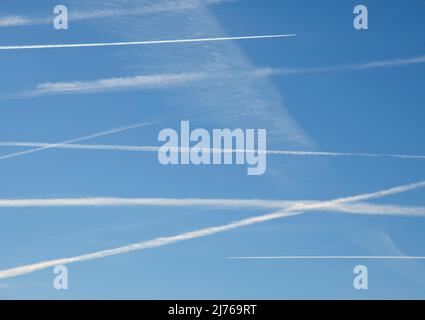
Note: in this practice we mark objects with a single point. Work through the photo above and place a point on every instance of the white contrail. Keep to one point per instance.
(330, 258)
(162, 241)
(132, 43)
(392, 63)
(162, 202)
(344, 154)
(372, 209)
(117, 83)
(92, 136)
(162, 80)
(356, 208)
(127, 148)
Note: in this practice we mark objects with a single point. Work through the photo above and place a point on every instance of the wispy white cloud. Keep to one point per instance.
(295, 209)
(16, 20)
(230, 96)
(128, 8)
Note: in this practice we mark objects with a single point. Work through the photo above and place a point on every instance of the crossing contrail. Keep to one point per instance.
(357, 208)
(295, 209)
(92, 136)
(133, 43)
(127, 148)
(151, 202)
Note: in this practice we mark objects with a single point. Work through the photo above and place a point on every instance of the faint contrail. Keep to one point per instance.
(330, 258)
(162, 241)
(110, 44)
(107, 12)
(163, 80)
(391, 63)
(210, 150)
(96, 135)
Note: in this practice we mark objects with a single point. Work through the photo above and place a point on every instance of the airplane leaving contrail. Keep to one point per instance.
(127, 148)
(92, 136)
(295, 209)
(152, 42)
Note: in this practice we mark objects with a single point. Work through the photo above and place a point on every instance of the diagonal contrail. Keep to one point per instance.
(102, 147)
(133, 43)
(92, 136)
(391, 63)
(162, 241)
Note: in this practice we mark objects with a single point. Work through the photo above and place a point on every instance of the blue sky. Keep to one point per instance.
(374, 110)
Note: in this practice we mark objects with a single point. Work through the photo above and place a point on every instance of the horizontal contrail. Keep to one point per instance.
(141, 82)
(162, 202)
(162, 241)
(165, 80)
(356, 208)
(92, 136)
(132, 43)
(117, 83)
(211, 150)
(391, 63)
(331, 258)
